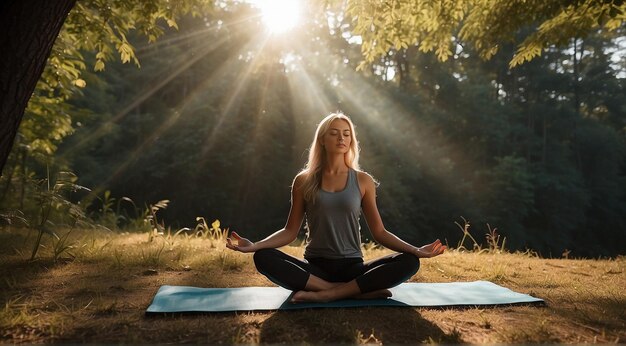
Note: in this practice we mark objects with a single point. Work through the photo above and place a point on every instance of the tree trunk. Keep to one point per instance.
(28, 29)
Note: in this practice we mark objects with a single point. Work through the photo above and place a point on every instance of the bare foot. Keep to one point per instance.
(308, 296)
(379, 294)
(323, 296)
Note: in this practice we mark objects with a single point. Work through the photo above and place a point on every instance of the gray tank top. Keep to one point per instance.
(333, 222)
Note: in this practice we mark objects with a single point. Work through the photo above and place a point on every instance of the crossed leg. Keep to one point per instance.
(337, 291)
(371, 279)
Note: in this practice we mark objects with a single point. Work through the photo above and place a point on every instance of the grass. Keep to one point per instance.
(98, 287)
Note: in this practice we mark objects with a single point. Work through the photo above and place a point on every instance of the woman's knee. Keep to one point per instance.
(263, 258)
(411, 262)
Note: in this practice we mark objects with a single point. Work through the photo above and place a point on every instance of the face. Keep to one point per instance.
(338, 137)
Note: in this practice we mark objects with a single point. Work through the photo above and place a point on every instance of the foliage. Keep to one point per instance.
(10, 217)
(52, 197)
(485, 25)
(157, 229)
(62, 245)
(95, 26)
(115, 216)
(103, 27)
(495, 244)
(214, 232)
(466, 235)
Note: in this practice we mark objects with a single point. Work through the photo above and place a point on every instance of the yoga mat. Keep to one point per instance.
(178, 299)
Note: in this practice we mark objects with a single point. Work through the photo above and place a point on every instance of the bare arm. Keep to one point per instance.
(281, 237)
(380, 234)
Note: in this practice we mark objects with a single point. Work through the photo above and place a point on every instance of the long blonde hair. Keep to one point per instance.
(312, 172)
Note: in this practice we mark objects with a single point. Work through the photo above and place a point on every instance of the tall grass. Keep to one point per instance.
(495, 243)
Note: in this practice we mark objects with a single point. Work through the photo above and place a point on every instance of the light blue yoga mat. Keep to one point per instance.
(177, 299)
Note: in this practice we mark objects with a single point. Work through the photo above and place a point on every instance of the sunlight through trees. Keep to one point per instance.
(219, 113)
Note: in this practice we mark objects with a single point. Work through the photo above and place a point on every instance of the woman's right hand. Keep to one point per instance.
(237, 243)
(431, 250)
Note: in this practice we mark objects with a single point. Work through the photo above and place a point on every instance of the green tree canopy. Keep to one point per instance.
(439, 25)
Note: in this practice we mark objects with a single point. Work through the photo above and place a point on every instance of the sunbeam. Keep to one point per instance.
(309, 91)
(387, 128)
(183, 63)
(392, 121)
(171, 40)
(235, 94)
(217, 74)
(252, 144)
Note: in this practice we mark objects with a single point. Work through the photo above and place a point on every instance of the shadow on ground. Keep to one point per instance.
(363, 325)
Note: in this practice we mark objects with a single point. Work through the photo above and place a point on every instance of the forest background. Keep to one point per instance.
(218, 118)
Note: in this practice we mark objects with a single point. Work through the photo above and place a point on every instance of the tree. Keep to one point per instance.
(31, 31)
(439, 25)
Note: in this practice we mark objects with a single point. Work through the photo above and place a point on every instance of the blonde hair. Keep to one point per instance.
(312, 172)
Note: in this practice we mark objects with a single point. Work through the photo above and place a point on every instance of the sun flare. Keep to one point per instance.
(279, 16)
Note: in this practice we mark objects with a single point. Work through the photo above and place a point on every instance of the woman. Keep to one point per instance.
(330, 193)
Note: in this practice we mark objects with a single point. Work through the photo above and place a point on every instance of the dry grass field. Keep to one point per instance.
(95, 286)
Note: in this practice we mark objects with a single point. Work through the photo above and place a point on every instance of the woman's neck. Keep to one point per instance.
(335, 164)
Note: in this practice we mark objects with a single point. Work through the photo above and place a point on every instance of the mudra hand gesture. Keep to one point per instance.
(242, 244)
(431, 250)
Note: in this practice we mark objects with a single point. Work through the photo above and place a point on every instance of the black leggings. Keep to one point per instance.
(293, 273)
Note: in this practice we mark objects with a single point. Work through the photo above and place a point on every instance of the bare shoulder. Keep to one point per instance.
(298, 181)
(366, 182)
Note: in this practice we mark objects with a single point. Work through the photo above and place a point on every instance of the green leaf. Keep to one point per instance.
(99, 66)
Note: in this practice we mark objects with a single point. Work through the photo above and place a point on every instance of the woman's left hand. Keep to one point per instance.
(238, 243)
(431, 250)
